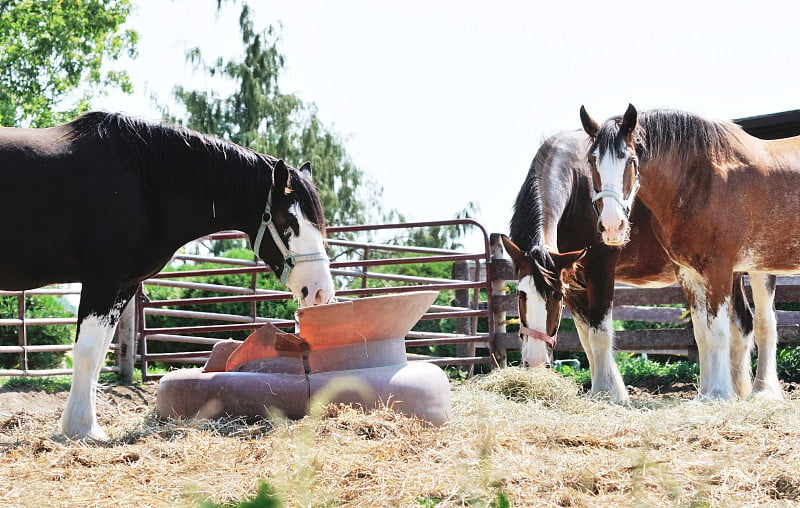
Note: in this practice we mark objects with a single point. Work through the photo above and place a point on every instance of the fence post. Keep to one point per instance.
(126, 340)
(23, 333)
(463, 325)
(498, 288)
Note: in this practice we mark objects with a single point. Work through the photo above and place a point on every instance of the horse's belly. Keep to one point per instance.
(782, 260)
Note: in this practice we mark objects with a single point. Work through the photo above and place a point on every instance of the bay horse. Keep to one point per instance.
(106, 200)
(722, 201)
(560, 256)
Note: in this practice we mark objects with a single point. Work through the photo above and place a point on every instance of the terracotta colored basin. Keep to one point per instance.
(350, 352)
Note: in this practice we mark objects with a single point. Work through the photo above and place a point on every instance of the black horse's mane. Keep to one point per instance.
(162, 152)
(677, 134)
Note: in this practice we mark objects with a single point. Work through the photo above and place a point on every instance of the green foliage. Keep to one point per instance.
(52, 55)
(40, 306)
(437, 237)
(259, 116)
(789, 364)
(265, 498)
(635, 370)
(51, 384)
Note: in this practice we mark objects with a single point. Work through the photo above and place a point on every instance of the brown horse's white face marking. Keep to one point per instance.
(614, 165)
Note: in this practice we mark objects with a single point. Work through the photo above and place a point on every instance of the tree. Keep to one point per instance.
(259, 116)
(52, 55)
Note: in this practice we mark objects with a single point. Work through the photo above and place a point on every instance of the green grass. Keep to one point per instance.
(55, 384)
(635, 369)
(265, 498)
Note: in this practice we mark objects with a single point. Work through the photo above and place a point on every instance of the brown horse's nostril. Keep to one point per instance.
(600, 227)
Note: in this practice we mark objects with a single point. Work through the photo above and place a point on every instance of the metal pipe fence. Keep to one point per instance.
(20, 359)
(361, 265)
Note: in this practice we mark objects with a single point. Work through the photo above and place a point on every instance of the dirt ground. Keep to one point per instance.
(112, 401)
(115, 401)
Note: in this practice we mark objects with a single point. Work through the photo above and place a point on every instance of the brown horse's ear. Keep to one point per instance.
(280, 178)
(628, 121)
(567, 260)
(515, 253)
(589, 125)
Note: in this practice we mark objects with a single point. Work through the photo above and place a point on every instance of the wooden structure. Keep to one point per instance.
(772, 126)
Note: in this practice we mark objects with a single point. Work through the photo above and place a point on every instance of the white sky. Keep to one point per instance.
(446, 101)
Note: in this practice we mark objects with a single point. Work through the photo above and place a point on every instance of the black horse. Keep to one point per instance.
(554, 239)
(106, 200)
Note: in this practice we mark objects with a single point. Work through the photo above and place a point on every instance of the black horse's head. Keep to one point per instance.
(291, 237)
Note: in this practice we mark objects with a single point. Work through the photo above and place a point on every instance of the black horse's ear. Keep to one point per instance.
(305, 170)
(589, 125)
(628, 121)
(280, 177)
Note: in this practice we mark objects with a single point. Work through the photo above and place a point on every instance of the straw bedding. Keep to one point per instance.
(529, 437)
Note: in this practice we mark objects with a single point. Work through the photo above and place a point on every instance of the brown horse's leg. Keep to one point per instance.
(741, 339)
(709, 298)
(766, 332)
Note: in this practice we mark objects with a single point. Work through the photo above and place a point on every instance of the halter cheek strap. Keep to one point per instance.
(289, 259)
(535, 334)
(626, 204)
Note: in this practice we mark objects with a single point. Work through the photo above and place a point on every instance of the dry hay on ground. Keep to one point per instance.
(527, 436)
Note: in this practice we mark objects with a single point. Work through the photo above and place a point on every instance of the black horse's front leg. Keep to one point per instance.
(98, 314)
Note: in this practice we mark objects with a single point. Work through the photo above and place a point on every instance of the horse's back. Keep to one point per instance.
(68, 200)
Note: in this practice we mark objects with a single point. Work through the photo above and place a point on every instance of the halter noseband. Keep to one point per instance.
(524, 331)
(289, 259)
(626, 204)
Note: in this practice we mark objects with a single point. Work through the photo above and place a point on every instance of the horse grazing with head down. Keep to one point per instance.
(722, 202)
(560, 256)
(106, 200)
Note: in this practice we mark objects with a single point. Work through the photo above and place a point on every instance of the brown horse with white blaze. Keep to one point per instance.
(722, 201)
(560, 258)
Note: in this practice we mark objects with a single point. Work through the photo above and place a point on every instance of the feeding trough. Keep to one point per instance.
(350, 352)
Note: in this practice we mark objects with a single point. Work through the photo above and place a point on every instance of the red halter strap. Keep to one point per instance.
(534, 334)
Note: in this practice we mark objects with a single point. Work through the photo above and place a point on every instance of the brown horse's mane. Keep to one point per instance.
(676, 135)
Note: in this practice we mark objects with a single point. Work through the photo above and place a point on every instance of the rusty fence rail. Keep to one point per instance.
(23, 349)
(360, 266)
(364, 263)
